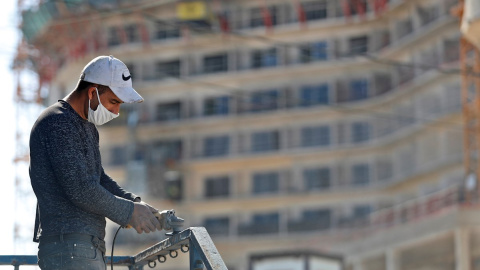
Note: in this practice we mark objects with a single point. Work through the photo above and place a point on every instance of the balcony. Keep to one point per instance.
(342, 228)
(370, 90)
(258, 229)
(316, 54)
(307, 226)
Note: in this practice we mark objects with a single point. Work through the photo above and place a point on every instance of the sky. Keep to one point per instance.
(9, 211)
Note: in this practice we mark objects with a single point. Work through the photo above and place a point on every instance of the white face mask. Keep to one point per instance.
(101, 115)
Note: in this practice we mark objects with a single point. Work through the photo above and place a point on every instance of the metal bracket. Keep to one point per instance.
(202, 250)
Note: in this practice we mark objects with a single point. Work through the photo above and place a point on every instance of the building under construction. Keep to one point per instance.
(292, 127)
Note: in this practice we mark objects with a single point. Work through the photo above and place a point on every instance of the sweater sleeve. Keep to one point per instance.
(69, 165)
(112, 186)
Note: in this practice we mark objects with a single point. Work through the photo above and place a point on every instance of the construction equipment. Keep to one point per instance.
(174, 222)
(169, 222)
(470, 66)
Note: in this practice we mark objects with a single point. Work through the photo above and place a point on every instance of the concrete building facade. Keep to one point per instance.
(337, 134)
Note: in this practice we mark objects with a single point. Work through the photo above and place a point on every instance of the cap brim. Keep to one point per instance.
(127, 94)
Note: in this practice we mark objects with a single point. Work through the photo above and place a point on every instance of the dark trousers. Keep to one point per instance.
(71, 251)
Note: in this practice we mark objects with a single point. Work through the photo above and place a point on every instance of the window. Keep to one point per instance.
(452, 98)
(383, 39)
(407, 160)
(316, 178)
(313, 95)
(217, 226)
(315, 136)
(168, 69)
(355, 6)
(118, 156)
(361, 211)
(216, 146)
(360, 132)
(257, 16)
(358, 89)
(361, 175)
(429, 59)
(261, 224)
(404, 27)
(264, 183)
(132, 33)
(384, 169)
(265, 141)
(320, 217)
(163, 151)
(169, 111)
(408, 113)
(313, 52)
(264, 101)
(405, 74)
(215, 63)
(451, 52)
(383, 83)
(315, 10)
(113, 36)
(266, 219)
(216, 106)
(430, 105)
(427, 14)
(131, 68)
(342, 90)
(358, 45)
(264, 58)
(217, 187)
(166, 30)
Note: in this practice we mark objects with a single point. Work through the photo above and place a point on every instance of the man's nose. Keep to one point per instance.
(115, 109)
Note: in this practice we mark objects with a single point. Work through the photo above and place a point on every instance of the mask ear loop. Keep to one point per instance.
(98, 96)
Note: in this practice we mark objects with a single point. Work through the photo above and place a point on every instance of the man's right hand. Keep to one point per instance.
(143, 219)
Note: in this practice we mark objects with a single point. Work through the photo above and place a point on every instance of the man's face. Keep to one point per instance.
(109, 100)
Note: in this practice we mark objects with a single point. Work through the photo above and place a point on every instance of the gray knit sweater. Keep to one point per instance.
(73, 192)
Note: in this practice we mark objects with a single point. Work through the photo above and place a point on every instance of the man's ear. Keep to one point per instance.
(91, 92)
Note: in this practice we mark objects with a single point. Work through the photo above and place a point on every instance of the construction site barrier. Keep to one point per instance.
(195, 240)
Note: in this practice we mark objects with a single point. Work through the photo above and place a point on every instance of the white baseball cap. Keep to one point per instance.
(111, 72)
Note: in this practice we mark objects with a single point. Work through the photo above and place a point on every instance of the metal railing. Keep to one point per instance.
(195, 240)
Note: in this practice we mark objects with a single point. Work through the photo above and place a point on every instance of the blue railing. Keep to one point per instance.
(195, 240)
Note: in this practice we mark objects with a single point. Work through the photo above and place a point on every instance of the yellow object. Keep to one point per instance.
(194, 10)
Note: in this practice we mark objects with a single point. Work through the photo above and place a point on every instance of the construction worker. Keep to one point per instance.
(73, 192)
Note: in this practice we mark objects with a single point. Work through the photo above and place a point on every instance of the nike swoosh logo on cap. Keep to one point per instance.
(126, 78)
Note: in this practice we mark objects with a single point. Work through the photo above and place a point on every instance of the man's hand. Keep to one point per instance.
(152, 209)
(143, 219)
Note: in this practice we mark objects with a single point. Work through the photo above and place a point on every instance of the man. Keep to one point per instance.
(73, 192)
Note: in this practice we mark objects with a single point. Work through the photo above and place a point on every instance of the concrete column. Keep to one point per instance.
(232, 60)
(357, 264)
(283, 226)
(188, 150)
(462, 249)
(296, 177)
(391, 259)
(234, 143)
